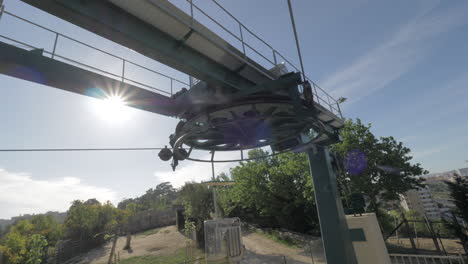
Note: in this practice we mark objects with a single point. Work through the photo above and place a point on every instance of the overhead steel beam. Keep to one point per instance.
(117, 25)
(32, 66)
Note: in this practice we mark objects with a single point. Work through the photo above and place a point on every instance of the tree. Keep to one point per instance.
(161, 197)
(90, 220)
(24, 242)
(82, 221)
(380, 168)
(48, 227)
(14, 247)
(459, 194)
(37, 249)
(197, 200)
(269, 190)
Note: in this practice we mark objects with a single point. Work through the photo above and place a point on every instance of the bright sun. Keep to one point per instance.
(113, 109)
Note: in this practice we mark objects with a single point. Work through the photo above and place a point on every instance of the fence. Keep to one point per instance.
(425, 259)
(421, 236)
(67, 249)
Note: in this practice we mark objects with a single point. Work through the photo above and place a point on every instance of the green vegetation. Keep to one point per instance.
(88, 222)
(380, 168)
(27, 240)
(197, 200)
(268, 191)
(160, 198)
(459, 193)
(272, 192)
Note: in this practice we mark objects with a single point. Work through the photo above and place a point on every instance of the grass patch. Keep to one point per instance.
(149, 232)
(275, 236)
(177, 258)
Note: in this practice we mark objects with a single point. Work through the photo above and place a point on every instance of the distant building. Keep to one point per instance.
(447, 175)
(463, 172)
(434, 199)
(421, 201)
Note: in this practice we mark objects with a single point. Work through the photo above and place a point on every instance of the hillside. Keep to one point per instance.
(167, 245)
(58, 216)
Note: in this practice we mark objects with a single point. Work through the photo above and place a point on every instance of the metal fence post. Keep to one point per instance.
(55, 44)
(274, 57)
(191, 12)
(2, 7)
(171, 86)
(242, 38)
(123, 70)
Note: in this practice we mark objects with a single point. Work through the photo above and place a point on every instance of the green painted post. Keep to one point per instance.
(335, 233)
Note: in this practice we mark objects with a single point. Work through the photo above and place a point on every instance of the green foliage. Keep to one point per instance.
(375, 167)
(268, 191)
(162, 197)
(197, 200)
(26, 240)
(14, 244)
(459, 194)
(37, 249)
(48, 227)
(86, 219)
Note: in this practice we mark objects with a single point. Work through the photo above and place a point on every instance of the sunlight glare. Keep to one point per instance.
(113, 109)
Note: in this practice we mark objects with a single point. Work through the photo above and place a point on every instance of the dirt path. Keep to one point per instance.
(261, 249)
(166, 241)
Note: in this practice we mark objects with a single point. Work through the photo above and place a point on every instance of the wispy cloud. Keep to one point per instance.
(396, 56)
(22, 194)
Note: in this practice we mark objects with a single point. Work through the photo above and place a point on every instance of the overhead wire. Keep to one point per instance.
(75, 149)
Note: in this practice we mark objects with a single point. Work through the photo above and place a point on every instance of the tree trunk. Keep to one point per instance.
(128, 243)
(112, 249)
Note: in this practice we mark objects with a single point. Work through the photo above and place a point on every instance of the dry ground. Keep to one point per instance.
(166, 241)
(260, 249)
(450, 245)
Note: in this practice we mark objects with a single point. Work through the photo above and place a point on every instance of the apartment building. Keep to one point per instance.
(421, 201)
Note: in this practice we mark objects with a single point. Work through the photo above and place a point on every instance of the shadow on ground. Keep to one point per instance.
(251, 257)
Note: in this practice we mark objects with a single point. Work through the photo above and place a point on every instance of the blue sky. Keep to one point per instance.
(402, 65)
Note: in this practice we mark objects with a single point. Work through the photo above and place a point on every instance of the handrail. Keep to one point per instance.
(124, 61)
(329, 102)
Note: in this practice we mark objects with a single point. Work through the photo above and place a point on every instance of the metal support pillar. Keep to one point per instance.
(335, 233)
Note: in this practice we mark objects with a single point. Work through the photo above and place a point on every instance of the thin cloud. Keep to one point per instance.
(22, 194)
(389, 61)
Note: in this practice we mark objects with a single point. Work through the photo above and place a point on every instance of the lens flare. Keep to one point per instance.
(355, 162)
(113, 109)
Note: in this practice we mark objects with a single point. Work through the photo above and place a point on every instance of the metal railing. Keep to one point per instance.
(425, 259)
(124, 62)
(320, 95)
